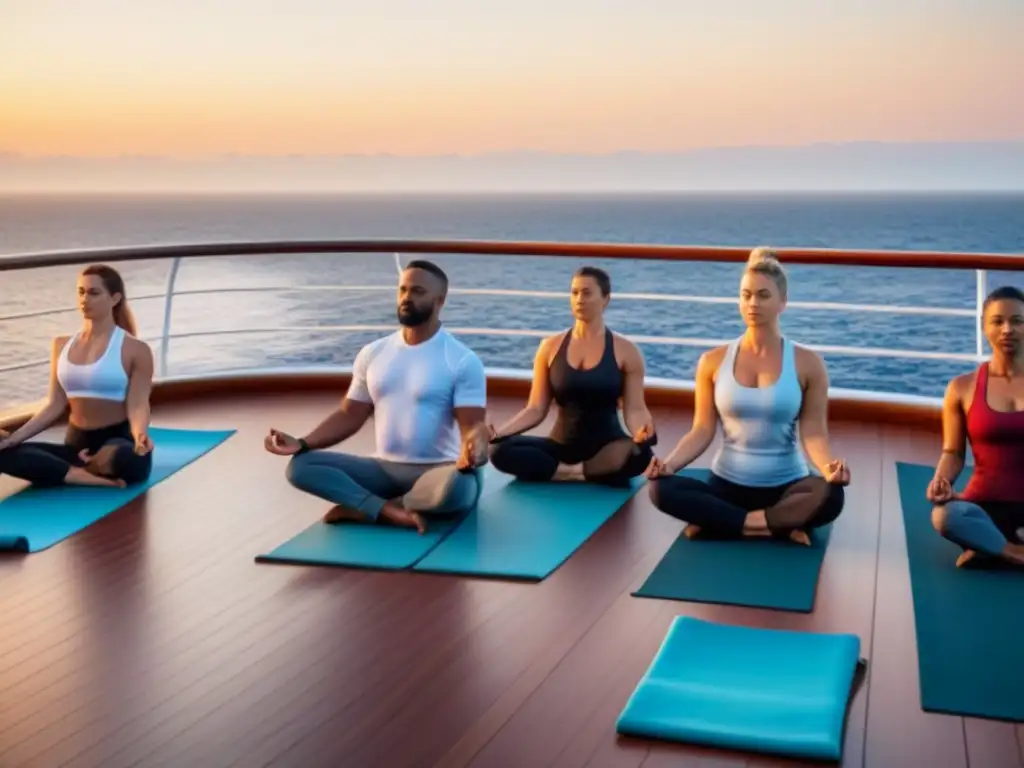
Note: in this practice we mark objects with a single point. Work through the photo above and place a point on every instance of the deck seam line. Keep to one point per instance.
(882, 434)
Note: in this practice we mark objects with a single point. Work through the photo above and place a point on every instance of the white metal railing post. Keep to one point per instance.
(398, 264)
(165, 333)
(981, 290)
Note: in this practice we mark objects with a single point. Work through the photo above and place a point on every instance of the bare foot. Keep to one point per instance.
(80, 476)
(338, 514)
(756, 524)
(965, 558)
(569, 473)
(800, 537)
(403, 517)
(691, 531)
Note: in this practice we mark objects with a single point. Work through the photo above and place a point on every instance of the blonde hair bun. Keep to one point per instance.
(763, 255)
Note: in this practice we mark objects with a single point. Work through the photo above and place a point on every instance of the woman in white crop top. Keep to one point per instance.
(103, 376)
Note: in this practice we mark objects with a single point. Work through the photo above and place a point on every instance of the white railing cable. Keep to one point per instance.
(680, 341)
(831, 306)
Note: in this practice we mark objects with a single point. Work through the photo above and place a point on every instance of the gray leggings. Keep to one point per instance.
(985, 527)
(365, 484)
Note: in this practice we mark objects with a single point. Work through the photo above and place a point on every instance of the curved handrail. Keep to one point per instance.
(828, 256)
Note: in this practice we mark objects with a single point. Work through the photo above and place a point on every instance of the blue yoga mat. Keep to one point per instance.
(782, 692)
(527, 530)
(361, 545)
(753, 572)
(971, 614)
(36, 518)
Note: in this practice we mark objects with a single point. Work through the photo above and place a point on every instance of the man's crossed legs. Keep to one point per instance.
(364, 489)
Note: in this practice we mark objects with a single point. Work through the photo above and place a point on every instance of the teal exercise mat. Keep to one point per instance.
(525, 530)
(373, 546)
(969, 620)
(37, 518)
(782, 692)
(360, 545)
(753, 572)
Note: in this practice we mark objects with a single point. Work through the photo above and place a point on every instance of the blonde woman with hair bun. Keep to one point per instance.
(761, 388)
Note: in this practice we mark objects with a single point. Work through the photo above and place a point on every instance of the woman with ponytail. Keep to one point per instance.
(764, 390)
(103, 376)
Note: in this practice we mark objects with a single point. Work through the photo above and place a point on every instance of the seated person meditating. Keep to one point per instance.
(586, 370)
(986, 406)
(424, 387)
(761, 387)
(102, 376)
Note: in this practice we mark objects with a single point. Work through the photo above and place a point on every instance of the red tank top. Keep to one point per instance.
(997, 441)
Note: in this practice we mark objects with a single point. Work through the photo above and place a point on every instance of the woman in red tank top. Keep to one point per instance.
(986, 407)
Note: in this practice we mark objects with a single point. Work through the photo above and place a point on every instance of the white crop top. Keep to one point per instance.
(104, 379)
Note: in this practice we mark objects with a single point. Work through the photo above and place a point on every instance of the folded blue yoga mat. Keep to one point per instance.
(37, 518)
(753, 572)
(969, 621)
(527, 530)
(762, 690)
(379, 547)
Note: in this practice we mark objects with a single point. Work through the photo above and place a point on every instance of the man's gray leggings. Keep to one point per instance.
(364, 484)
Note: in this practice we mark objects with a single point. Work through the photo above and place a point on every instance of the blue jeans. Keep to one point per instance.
(985, 527)
(365, 484)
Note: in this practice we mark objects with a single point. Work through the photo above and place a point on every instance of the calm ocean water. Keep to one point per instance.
(923, 222)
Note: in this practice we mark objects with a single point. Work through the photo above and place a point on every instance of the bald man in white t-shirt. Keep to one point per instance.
(428, 394)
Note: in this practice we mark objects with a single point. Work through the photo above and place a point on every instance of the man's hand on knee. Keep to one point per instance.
(475, 448)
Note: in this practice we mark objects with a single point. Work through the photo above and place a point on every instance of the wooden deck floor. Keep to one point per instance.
(153, 639)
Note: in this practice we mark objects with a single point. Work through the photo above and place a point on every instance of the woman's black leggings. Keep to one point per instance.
(536, 458)
(720, 507)
(112, 451)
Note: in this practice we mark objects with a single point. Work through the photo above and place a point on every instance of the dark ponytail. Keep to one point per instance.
(114, 283)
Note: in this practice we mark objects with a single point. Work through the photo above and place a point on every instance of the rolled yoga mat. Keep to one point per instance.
(968, 620)
(36, 518)
(526, 530)
(782, 692)
(752, 572)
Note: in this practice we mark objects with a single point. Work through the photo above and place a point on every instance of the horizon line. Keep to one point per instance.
(533, 192)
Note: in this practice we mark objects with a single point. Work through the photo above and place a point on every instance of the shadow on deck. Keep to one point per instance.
(152, 638)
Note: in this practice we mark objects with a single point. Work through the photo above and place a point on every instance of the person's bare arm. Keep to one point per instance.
(351, 414)
(954, 433)
(813, 421)
(469, 408)
(539, 401)
(140, 385)
(635, 413)
(340, 424)
(56, 402)
(705, 416)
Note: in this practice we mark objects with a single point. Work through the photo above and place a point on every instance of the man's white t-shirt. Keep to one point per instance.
(413, 388)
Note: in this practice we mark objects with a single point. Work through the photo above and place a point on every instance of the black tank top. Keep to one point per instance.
(588, 400)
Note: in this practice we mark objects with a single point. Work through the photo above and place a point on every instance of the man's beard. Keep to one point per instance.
(413, 317)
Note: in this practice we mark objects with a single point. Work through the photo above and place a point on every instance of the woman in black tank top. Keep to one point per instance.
(588, 441)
